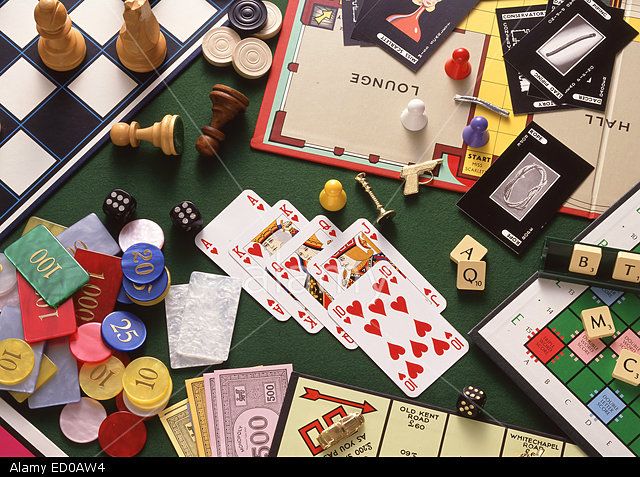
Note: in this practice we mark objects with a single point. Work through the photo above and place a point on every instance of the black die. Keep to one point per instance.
(475, 395)
(186, 216)
(465, 407)
(119, 205)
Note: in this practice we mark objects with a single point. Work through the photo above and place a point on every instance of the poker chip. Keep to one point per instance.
(274, 22)
(87, 346)
(142, 263)
(102, 381)
(122, 297)
(149, 294)
(141, 230)
(218, 44)
(252, 58)
(123, 331)
(120, 402)
(122, 434)
(8, 277)
(146, 381)
(80, 421)
(146, 413)
(17, 360)
(248, 16)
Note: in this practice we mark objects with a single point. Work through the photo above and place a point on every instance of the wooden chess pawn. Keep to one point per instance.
(141, 46)
(61, 47)
(226, 104)
(333, 197)
(167, 134)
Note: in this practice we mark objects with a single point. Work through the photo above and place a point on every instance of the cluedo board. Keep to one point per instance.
(536, 335)
(52, 122)
(395, 427)
(340, 105)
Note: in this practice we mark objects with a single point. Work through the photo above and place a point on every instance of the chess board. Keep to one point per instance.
(340, 106)
(52, 122)
(396, 428)
(536, 335)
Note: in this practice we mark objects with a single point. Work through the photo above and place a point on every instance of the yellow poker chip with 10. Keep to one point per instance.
(16, 361)
(102, 381)
(146, 382)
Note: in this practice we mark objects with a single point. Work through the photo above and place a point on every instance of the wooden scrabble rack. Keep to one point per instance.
(604, 267)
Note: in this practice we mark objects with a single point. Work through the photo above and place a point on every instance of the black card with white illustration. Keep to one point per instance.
(521, 191)
(411, 31)
(568, 47)
(351, 11)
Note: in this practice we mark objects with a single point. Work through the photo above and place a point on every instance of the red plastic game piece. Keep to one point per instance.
(122, 434)
(458, 67)
(87, 346)
(97, 298)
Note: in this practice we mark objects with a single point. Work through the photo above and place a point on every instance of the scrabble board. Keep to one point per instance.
(341, 105)
(396, 428)
(53, 122)
(536, 335)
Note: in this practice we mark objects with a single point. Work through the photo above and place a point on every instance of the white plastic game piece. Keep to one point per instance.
(141, 231)
(413, 117)
(218, 45)
(80, 421)
(274, 22)
(252, 58)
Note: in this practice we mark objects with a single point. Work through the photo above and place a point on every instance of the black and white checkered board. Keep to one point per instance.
(52, 122)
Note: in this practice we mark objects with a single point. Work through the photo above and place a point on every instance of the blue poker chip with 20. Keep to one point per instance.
(142, 263)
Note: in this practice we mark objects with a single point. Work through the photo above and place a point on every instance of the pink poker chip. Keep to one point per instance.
(87, 346)
(140, 231)
(80, 421)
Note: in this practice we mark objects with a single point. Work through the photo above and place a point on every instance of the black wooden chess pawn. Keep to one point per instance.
(119, 206)
(186, 216)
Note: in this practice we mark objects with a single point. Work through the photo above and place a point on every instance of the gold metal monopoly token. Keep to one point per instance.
(341, 429)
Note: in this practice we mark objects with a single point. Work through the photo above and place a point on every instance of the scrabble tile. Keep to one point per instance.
(585, 259)
(598, 322)
(468, 249)
(627, 267)
(471, 275)
(628, 368)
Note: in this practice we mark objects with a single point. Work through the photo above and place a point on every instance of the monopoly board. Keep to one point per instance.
(536, 335)
(340, 105)
(396, 427)
(52, 122)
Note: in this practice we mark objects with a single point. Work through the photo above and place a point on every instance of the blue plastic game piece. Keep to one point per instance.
(122, 297)
(476, 134)
(123, 331)
(147, 292)
(142, 263)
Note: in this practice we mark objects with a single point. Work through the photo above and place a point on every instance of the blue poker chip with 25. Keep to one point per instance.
(123, 331)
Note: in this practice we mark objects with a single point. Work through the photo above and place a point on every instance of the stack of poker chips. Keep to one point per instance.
(146, 279)
(147, 386)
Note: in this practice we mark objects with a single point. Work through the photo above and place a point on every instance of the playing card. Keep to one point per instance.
(351, 256)
(289, 266)
(253, 248)
(351, 10)
(392, 322)
(214, 241)
(411, 31)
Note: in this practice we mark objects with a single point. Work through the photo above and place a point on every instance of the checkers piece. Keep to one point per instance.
(248, 16)
(17, 360)
(80, 421)
(123, 331)
(102, 381)
(87, 346)
(122, 434)
(141, 231)
(142, 263)
(218, 44)
(252, 58)
(146, 381)
(148, 294)
(8, 278)
(274, 22)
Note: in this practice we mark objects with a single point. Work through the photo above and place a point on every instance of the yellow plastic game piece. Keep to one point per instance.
(628, 367)
(16, 361)
(471, 275)
(627, 267)
(598, 322)
(48, 369)
(333, 197)
(468, 249)
(102, 381)
(585, 259)
(146, 381)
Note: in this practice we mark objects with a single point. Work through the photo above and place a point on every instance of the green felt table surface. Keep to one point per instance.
(425, 230)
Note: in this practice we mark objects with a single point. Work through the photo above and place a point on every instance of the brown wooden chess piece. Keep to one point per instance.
(61, 47)
(227, 103)
(141, 46)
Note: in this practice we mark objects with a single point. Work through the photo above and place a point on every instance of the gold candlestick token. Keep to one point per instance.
(383, 214)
